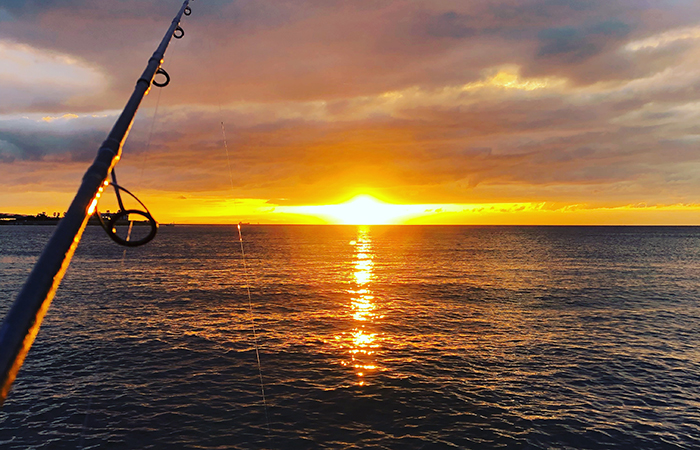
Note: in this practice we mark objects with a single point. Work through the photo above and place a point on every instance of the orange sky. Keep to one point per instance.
(452, 111)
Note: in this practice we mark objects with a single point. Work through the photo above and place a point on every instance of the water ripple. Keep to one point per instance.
(380, 337)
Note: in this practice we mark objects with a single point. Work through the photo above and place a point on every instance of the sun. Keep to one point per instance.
(360, 210)
(364, 210)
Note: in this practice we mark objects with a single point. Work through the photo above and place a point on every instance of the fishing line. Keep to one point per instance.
(171, 58)
(148, 146)
(252, 322)
(99, 350)
(128, 239)
(143, 163)
(91, 396)
(228, 160)
(150, 135)
(108, 226)
(247, 286)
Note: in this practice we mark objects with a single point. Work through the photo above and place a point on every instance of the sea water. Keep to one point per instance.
(393, 337)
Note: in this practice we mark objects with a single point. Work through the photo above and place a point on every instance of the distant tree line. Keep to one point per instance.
(42, 217)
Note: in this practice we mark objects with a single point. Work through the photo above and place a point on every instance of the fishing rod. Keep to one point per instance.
(22, 322)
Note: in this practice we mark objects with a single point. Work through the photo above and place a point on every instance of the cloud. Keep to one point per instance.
(664, 39)
(451, 25)
(503, 130)
(575, 45)
(5, 16)
(309, 50)
(442, 101)
(31, 78)
(68, 137)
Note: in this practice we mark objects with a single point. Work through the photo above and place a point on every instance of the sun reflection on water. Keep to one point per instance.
(361, 341)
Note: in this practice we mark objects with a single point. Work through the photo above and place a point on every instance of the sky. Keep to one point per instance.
(447, 111)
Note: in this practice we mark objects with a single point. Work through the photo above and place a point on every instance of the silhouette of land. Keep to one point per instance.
(44, 219)
(24, 219)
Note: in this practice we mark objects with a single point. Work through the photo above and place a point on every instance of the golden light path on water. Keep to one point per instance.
(363, 343)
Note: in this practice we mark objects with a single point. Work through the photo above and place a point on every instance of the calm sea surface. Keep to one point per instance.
(369, 337)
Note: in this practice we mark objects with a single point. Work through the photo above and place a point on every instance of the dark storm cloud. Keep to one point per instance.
(576, 45)
(17, 144)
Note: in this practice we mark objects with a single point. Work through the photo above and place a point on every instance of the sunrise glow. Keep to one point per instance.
(537, 115)
(361, 210)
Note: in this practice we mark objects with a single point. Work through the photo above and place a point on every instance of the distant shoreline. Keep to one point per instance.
(21, 220)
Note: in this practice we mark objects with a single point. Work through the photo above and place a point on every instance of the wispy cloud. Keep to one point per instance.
(666, 38)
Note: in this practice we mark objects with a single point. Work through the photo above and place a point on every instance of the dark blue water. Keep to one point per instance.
(369, 337)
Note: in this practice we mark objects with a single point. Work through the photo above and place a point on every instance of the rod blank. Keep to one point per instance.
(22, 322)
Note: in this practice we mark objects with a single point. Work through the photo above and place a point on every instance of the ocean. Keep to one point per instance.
(385, 337)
